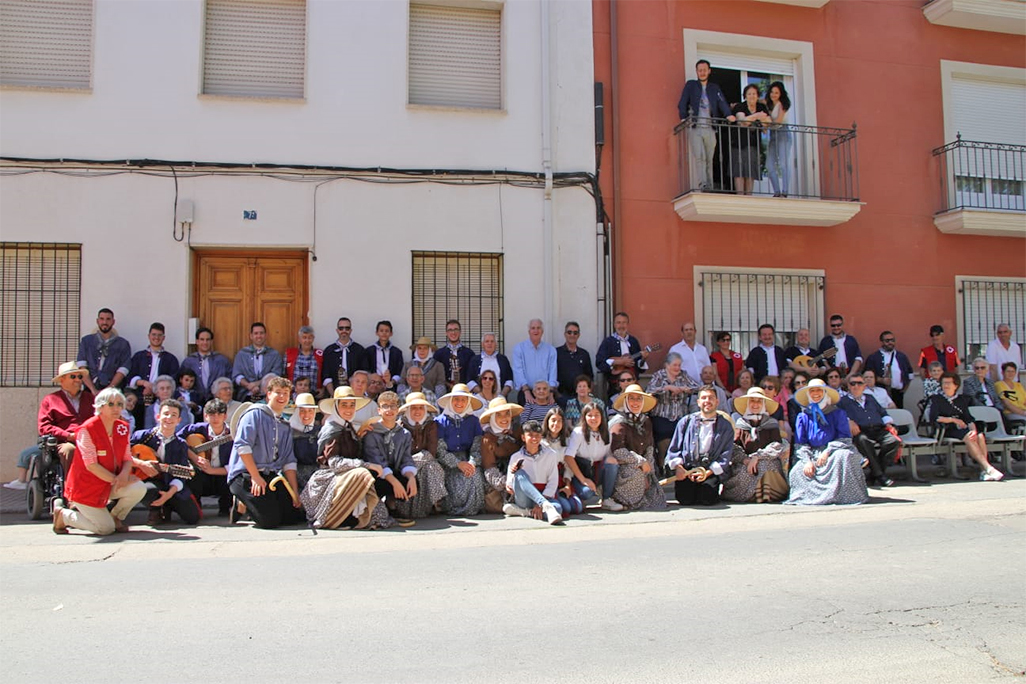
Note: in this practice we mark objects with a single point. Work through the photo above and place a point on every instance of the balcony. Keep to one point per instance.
(982, 189)
(806, 175)
(1001, 16)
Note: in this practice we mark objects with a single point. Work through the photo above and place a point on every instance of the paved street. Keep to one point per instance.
(926, 583)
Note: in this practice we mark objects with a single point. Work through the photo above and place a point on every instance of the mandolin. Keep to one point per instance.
(805, 361)
(620, 364)
(145, 453)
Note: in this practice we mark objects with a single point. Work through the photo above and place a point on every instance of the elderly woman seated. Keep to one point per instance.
(950, 410)
(760, 454)
(827, 468)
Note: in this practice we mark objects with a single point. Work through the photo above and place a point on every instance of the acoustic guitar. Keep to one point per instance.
(145, 453)
(807, 362)
(199, 446)
(619, 365)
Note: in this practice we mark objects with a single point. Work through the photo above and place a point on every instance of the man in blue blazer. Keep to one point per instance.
(704, 101)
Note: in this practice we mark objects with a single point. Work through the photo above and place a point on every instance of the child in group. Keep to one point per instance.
(533, 477)
(931, 385)
(187, 394)
(588, 457)
(555, 435)
(389, 445)
(127, 415)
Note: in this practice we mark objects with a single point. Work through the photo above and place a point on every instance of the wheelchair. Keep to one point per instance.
(46, 479)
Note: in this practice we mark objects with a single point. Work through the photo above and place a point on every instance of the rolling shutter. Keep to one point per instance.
(255, 48)
(742, 61)
(986, 111)
(455, 57)
(46, 43)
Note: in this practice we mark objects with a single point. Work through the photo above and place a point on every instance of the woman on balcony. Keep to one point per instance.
(745, 143)
(778, 154)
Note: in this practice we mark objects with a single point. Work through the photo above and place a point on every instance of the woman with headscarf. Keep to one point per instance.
(827, 469)
(304, 436)
(459, 451)
(340, 493)
(760, 454)
(630, 433)
(415, 416)
(501, 439)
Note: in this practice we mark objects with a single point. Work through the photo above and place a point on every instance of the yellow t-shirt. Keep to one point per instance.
(1015, 394)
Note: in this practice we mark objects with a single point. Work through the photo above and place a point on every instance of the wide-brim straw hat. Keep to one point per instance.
(741, 403)
(417, 399)
(66, 368)
(237, 416)
(802, 395)
(497, 405)
(621, 400)
(423, 341)
(327, 406)
(306, 400)
(460, 390)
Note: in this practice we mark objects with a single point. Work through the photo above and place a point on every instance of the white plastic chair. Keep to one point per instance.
(997, 439)
(912, 443)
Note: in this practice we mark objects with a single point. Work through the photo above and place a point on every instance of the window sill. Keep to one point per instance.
(47, 89)
(814, 4)
(252, 98)
(992, 222)
(455, 108)
(780, 211)
(1000, 16)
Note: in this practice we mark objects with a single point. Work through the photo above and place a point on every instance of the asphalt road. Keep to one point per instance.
(927, 584)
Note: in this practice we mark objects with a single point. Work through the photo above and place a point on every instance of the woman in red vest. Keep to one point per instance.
(101, 471)
(728, 362)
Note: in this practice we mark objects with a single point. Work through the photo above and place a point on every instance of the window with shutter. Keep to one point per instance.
(455, 56)
(255, 48)
(461, 285)
(46, 43)
(739, 301)
(983, 304)
(39, 310)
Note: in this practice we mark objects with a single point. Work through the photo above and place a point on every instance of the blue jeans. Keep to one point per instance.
(778, 160)
(608, 474)
(25, 457)
(525, 494)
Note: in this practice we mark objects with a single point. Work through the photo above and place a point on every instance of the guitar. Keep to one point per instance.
(620, 365)
(145, 453)
(807, 362)
(199, 446)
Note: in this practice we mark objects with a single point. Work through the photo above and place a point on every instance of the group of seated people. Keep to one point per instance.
(376, 455)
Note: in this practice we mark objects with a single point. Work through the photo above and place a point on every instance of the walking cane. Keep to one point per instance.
(281, 478)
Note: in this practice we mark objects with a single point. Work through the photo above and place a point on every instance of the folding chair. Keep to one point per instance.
(997, 439)
(912, 443)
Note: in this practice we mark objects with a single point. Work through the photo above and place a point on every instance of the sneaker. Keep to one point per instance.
(610, 505)
(992, 475)
(513, 510)
(552, 516)
(16, 484)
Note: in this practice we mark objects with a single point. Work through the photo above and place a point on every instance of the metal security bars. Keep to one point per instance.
(808, 162)
(39, 310)
(984, 305)
(462, 285)
(739, 303)
(982, 175)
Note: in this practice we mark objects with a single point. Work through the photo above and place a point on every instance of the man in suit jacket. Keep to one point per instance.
(454, 348)
(849, 356)
(255, 362)
(384, 358)
(893, 369)
(618, 346)
(490, 359)
(207, 364)
(768, 358)
(704, 101)
(150, 363)
(572, 361)
(343, 358)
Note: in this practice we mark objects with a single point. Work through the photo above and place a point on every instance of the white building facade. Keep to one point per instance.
(215, 162)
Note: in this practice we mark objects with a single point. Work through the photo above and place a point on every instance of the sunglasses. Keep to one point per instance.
(856, 382)
(573, 332)
(891, 339)
(75, 376)
(344, 327)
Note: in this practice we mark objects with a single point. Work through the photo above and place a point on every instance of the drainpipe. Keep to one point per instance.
(614, 98)
(546, 132)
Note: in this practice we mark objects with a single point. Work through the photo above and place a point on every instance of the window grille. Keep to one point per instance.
(46, 43)
(255, 48)
(986, 303)
(39, 310)
(738, 303)
(455, 56)
(461, 285)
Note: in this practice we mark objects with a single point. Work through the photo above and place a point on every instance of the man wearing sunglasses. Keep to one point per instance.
(868, 423)
(848, 358)
(60, 415)
(341, 359)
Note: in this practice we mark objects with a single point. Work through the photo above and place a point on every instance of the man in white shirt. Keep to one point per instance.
(693, 356)
(1002, 350)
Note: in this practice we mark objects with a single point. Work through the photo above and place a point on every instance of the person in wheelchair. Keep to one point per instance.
(100, 472)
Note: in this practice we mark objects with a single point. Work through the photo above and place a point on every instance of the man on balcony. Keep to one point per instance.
(705, 101)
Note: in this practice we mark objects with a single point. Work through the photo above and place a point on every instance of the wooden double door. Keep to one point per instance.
(232, 289)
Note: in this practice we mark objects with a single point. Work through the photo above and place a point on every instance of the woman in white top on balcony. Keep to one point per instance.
(778, 153)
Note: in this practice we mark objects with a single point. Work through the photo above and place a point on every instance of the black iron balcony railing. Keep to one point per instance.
(982, 175)
(809, 162)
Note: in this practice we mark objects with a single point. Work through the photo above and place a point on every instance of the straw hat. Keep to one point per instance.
(621, 400)
(741, 403)
(423, 341)
(66, 368)
(460, 390)
(327, 406)
(497, 405)
(417, 399)
(233, 424)
(306, 400)
(802, 395)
